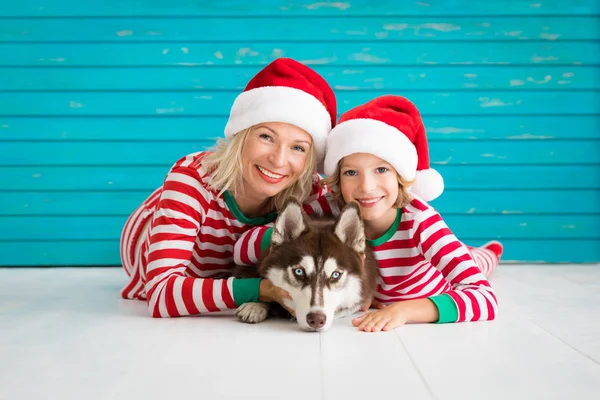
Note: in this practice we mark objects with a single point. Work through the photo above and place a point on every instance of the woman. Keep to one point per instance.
(177, 246)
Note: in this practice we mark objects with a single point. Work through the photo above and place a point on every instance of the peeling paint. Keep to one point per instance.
(244, 51)
(442, 27)
(546, 79)
(165, 51)
(188, 64)
(36, 175)
(449, 130)
(539, 59)
(516, 82)
(568, 74)
(511, 212)
(485, 24)
(57, 59)
(368, 58)
(563, 82)
(487, 102)
(324, 60)
(124, 33)
(470, 85)
(277, 53)
(523, 224)
(4, 126)
(423, 4)
(352, 71)
(75, 104)
(471, 211)
(168, 110)
(110, 182)
(395, 27)
(470, 76)
(381, 35)
(513, 33)
(340, 87)
(444, 162)
(422, 75)
(185, 50)
(549, 36)
(338, 4)
(487, 155)
(569, 226)
(218, 54)
(529, 136)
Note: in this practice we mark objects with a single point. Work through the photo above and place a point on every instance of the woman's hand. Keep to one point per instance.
(269, 293)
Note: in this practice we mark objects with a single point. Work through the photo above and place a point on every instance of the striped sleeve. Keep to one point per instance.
(325, 205)
(472, 297)
(175, 225)
(250, 245)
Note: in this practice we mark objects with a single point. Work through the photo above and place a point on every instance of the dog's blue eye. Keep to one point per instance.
(299, 271)
(335, 275)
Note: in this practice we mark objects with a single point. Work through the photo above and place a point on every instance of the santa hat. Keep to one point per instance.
(389, 127)
(286, 91)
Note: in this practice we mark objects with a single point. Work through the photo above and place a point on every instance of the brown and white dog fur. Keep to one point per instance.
(323, 263)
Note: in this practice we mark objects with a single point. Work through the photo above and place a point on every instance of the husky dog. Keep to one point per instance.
(323, 263)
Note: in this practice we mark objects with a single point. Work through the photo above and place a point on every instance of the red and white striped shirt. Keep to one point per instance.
(418, 257)
(177, 246)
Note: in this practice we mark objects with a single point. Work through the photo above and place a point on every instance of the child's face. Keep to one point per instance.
(273, 158)
(372, 182)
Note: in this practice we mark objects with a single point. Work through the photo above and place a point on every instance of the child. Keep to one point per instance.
(377, 155)
(374, 155)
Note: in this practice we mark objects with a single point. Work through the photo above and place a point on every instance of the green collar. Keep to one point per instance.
(237, 213)
(390, 232)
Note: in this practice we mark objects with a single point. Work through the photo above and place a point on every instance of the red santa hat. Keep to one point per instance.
(389, 127)
(286, 91)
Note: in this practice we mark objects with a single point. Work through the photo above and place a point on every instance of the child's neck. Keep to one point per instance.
(376, 228)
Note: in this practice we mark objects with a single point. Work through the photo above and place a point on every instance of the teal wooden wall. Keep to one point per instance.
(98, 99)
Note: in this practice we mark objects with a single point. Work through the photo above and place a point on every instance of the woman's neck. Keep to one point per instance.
(251, 206)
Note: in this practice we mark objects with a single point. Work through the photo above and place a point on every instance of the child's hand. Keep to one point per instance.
(385, 319)
(372, 304)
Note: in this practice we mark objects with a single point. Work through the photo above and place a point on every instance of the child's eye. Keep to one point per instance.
(300, 148)
(381, 170)
(350, 172)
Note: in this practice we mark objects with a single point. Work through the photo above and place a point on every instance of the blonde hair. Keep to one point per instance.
(224, 165)
(333, 182)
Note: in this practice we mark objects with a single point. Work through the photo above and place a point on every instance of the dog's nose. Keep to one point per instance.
(316, 320)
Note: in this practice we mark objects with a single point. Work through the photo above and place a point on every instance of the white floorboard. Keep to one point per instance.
(66, 334)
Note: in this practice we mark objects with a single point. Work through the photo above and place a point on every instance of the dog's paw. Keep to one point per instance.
(252, 313)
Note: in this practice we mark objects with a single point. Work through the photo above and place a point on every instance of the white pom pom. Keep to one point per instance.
(429, 184)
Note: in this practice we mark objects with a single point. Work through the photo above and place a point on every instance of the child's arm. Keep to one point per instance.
(397, 314)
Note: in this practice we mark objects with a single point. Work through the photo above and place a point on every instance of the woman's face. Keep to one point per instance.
(273, 158)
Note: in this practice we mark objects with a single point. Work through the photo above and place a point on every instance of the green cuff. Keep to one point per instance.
(265, 242)
(246, 290)
(446, 308)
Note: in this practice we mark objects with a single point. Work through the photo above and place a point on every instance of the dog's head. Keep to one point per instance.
(318, 262)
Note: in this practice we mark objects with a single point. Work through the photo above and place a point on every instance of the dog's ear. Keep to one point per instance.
(290, 223)
(349, 228)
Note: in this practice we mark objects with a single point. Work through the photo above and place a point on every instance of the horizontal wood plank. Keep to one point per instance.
(485, 127)
(261, 28)
(156, 153)
(148, 178)
(262, 53)
(353, 8)
(475, 202)
(219, 103)
(465, 227)
(377, 78)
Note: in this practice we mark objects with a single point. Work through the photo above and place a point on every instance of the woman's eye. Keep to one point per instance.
(299, 272)
(336, 275)
(381, 170)
(350, 173)
(265, 136)
(299, 148)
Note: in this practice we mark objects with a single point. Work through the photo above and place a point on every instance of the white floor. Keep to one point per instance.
(66, 334)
